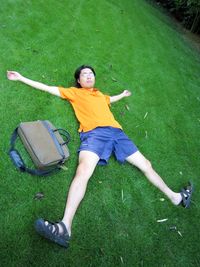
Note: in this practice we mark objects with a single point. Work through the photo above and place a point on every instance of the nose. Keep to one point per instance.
(89, 77)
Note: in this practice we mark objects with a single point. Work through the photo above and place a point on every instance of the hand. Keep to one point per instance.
(126, 93)
(13, 75)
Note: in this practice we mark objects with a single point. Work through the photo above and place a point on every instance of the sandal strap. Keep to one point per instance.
(186, 192)
(184, 198)
(53, 228)
(56, 230)
(64, 229)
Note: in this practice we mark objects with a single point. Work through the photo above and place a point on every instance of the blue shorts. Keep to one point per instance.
(104, 141)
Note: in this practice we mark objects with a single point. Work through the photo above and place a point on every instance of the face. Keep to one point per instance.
(87, 78)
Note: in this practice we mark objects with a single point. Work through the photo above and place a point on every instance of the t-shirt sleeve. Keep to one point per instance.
(67, 93)
(107, 97)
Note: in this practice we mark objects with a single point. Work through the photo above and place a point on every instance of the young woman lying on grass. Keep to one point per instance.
(101, 135)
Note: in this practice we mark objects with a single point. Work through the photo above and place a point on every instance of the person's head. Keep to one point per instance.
(85, 77)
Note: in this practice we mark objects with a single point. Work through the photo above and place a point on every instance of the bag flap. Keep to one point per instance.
(39, 143)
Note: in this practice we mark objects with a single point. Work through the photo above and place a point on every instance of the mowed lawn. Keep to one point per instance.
(132, 45)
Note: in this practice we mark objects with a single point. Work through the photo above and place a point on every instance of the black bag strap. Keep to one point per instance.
(64, 133)
(18, 161)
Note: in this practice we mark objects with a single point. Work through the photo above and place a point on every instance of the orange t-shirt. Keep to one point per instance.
(91, 108)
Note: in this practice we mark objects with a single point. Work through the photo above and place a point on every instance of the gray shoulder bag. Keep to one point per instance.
(45, 145)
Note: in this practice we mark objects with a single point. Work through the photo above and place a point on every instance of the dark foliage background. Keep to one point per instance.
(186, 11)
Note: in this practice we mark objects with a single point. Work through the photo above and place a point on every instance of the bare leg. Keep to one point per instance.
(138, 160)
(60, 232)
(87, 163)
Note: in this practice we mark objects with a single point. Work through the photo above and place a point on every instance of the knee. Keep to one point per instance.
(83, 171)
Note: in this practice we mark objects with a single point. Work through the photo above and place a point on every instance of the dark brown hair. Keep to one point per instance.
(78, 72)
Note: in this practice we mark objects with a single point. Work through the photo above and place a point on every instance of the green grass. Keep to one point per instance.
(134, 43)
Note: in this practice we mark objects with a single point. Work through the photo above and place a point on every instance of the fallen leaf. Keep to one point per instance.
(145, 115)
(127, 107)
(121, 259)
(63, 167)
(162, 220)
(113, 79)
(179, 233)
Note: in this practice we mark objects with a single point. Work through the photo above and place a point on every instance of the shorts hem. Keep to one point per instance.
(124, 158)
(101, 161)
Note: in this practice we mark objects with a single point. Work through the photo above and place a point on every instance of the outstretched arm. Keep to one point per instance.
(15, 76)
(115, 98)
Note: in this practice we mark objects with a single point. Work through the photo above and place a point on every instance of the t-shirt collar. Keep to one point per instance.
(89, 89)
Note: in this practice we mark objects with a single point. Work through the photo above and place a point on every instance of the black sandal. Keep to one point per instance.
(51, 231)
(186, 194)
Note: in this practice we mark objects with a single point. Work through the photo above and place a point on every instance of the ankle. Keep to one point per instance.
(68, 226)
(176, 199)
